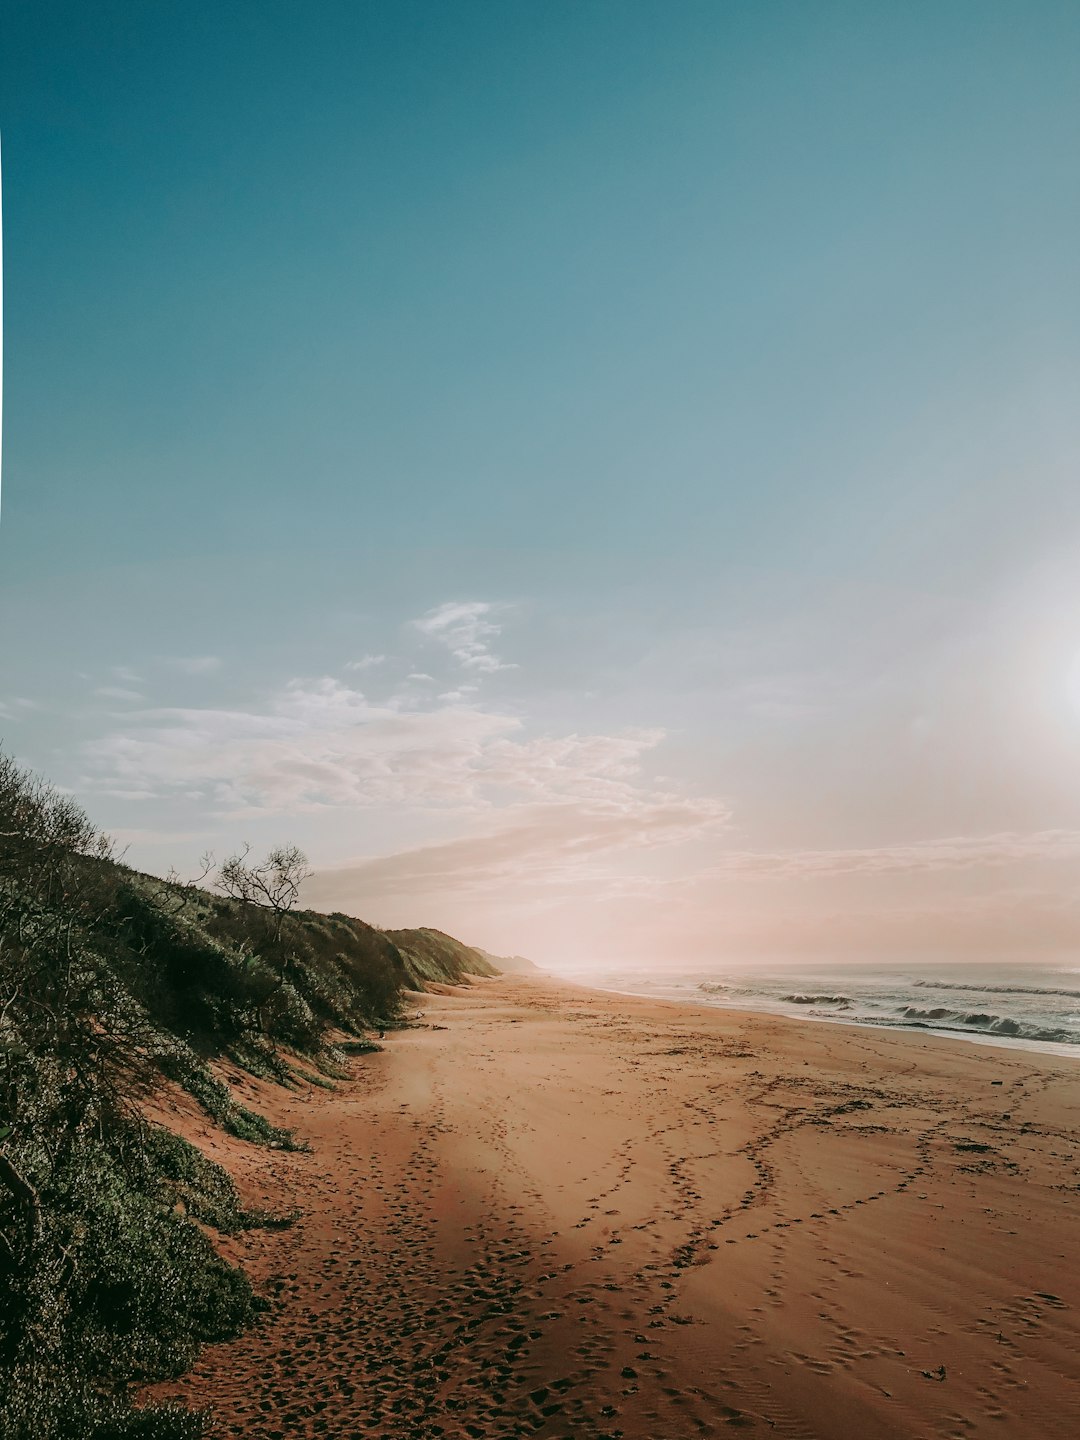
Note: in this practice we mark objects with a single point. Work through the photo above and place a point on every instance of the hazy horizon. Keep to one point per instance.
(600, 478)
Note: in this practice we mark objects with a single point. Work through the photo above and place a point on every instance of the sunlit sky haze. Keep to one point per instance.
(601, 477)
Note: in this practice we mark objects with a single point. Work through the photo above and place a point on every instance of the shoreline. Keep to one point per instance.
(943, 1032)
(1061, 1049)
(555, 1211)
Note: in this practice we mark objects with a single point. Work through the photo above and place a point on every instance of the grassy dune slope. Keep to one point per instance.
(430, 957)
(111, 983)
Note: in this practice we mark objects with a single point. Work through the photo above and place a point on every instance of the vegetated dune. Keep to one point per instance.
(113, 984)
(512, 964)
(431, 957)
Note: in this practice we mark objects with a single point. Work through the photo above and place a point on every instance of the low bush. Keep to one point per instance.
(112, 983)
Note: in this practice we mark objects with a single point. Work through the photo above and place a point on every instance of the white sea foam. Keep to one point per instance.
(1023, 1006)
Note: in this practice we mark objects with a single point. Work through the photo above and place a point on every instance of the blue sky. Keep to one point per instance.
(688, 392)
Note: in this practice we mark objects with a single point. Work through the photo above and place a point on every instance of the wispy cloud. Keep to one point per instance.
(118, 692)
(135, 836)
(466, 628)
(10, 709)
(314, 744)
(320, 743)
(541, 848)
(365, 662)
(546, 810)
(959, 852)
(195, 664)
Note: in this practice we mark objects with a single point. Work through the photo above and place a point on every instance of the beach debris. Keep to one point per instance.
(938, 1374)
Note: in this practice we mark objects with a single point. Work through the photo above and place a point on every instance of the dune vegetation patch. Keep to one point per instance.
(111, 984)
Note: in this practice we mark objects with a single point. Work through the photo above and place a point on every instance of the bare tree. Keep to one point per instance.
(274, 884)
(174, 894)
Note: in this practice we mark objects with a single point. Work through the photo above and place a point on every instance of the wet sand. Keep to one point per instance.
(546, 1211)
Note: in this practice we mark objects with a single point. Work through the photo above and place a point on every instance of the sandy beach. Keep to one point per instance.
(548, 1211)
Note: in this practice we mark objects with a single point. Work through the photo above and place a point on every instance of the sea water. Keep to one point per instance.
(1032, 1007)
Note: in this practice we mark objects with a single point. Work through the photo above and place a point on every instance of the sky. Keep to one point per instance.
(600, 477)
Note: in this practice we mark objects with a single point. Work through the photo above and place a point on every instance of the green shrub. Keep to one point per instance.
(37, 1404)
(112, 982)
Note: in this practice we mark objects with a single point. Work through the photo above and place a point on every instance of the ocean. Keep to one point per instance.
(1030, 1007)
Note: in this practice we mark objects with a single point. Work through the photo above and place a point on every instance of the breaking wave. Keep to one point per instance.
(942, 1018)
(1021, 1006)
(996, 989)
(842, 1000)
